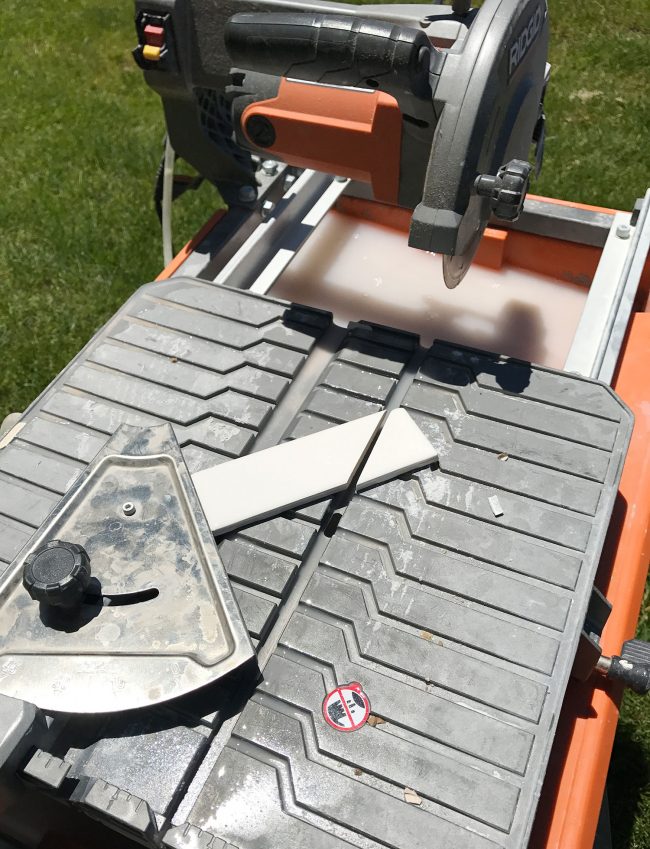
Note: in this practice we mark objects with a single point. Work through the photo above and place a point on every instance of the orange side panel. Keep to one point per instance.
(395, 217)
(567, 261)
(365, 209)
(491, 252)
(570, 803)
(572, 268)
(185, 251)
(493, 248)
(353, 133)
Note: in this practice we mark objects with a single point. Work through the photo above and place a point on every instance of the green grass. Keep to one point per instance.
(598, 106)
(81, 138)
(629, 772)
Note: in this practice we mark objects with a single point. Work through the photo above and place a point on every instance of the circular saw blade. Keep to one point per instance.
(455, 266)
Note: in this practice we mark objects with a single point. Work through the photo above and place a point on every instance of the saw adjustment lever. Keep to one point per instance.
(507, 191)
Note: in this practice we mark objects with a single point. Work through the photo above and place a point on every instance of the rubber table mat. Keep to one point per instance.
(454, 596)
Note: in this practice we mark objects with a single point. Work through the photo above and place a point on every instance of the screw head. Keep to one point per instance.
(128, 508)
(623, 231)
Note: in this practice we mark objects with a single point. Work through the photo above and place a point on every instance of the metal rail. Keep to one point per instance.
(601, 331)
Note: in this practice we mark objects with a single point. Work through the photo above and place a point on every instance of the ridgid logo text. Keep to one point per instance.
(526, 37)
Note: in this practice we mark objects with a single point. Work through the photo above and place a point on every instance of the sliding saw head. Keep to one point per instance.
(436, 114)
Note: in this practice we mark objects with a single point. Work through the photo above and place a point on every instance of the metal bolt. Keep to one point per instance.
(247, 194)
(340, 179)
(424, 22)
(267, 209)
(269, 167)
(623, 231)
(289, 180)
(128, 508)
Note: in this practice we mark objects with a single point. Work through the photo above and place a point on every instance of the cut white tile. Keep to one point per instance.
(401, 447)
(495, 504)
(269, 482)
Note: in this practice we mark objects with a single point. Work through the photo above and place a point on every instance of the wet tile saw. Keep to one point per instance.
(283, 568)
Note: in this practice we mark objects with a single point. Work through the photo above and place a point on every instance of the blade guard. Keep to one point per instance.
(488, 99)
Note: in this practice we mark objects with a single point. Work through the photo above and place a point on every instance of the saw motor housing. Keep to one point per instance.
(425, 113)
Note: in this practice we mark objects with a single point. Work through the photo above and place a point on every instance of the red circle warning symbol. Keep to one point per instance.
(347, 707)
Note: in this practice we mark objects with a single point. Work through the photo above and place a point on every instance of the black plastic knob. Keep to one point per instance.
(507, 191)
(57, 574)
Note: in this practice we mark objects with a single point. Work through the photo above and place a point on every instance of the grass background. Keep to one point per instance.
(81, 138)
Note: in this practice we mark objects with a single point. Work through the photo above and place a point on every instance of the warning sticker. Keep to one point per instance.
(347, 707)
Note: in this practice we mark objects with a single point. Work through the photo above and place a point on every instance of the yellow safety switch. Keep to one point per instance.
(151, 53)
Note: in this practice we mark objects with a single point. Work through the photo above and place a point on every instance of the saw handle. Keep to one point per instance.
(336, 50)
(636, 676)
(631, 667)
